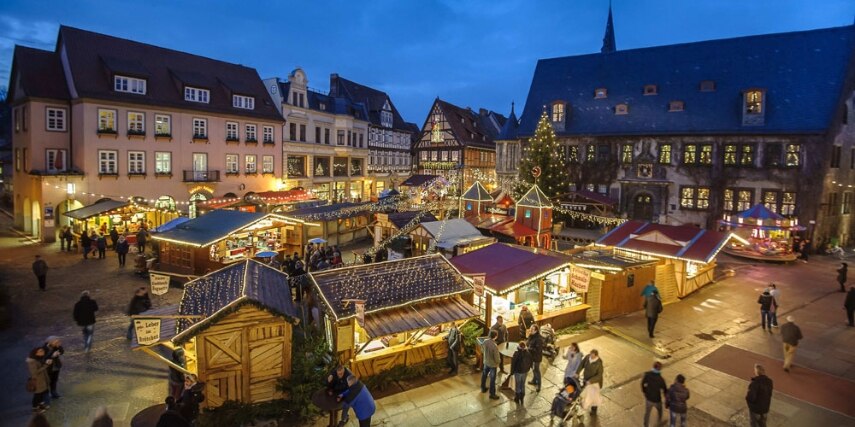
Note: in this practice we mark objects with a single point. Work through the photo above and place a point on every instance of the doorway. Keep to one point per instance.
(200, 166)
(642, 207)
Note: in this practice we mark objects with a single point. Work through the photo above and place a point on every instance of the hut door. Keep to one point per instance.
(223, 374)
(268, 360)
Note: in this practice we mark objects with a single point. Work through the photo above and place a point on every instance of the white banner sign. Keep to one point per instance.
(148, 331)
(579, 279)
(159, 283)
(360, 312)
(478, 281)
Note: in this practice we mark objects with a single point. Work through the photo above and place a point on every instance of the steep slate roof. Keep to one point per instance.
(477, 192)
(40, 72)
(401, 219)
(210, 227)
(508, 266)
(535, 198)
(371, 98)
(94, 59)
(802, 72)
(245, 282)
(388, 284)
(510, 128)
(673, 241)
(475, 129)
(332, 104)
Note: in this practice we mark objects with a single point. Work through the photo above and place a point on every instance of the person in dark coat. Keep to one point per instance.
(84, 315)
(765, 300)
(176, 377)
(654, 388)
(652, 308)
(849, 305)
(453, 339)
(191, 397)
(592, 371)
(86, 243)
(337, 384)
(526, 320)
(759, 397)
(40, 269)
(804, 249)
(521, 363)
(676, 399)
(791, 334)
(841, 275)
(171, 417)
(535, 347)
(122, 248)
(139, 303)
(101, 243)
(360, 399)
(54, 351)
(114, 237)
(501, 338)
(142, 236)
(37, 367)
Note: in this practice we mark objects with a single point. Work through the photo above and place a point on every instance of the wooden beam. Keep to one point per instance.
(540, 286)
(171, 364)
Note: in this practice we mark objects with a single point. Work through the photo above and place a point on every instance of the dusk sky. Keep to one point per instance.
(471, 53)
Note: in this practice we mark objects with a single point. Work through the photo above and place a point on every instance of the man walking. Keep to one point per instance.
(652, 308)
(535, 348)
(490, 352)
(776, 301)
(501, 338)
(84, 315)
(765, 300)
(453, 340)
(139, 303)
(790, 335)
(841, 275)
(122, 248)
(849, 305)
(653, 386)
(759, 397)
(520, 365)
(40, 269)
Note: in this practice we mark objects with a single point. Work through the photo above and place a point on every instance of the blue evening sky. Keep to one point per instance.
(471, 53)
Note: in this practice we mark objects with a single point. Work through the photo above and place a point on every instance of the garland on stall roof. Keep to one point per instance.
(597, 219)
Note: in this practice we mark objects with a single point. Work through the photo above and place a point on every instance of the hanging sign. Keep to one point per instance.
(478, 281)
(148, 331)
(360, 312)
(159, 283)
(579, 279)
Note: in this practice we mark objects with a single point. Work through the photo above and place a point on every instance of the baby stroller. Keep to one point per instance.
(567, 405)
(550, 349)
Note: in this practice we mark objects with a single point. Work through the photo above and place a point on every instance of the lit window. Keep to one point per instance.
(730, 155)
(690, 154)
(245, 102)
(232, 163)
(788, 203)
(770, 200)
(55, 119)
(675, 106)
(266, 164)
(754, 102)
(129, 85)
(558, 112)
(665, 154)
(232, 131)
(107, 162)
(600, 93)
(695, 197)
(251, 135)
(136, 162)
(162, 125)
(705, 155)
(794, 155)
(626, 153)
(650, 90)
(162, 162)
(136, 123)
(744, 200)
(621, 109)
(200, 128)
(747, 158)
(251, 166)
(528, 213)
(193, 94)
(106, 121)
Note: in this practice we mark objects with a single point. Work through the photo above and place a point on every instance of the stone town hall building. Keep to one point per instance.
(683, 133)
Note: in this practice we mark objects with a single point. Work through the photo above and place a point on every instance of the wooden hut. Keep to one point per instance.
(390, 224)
(405, 308)
(340, 223)
(475, 202)
(235, 325)
(450, 237)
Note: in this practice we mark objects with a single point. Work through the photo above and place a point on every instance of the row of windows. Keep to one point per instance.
(388, 158)
(739, 199)
(107, 123)
(250, 164)
(439, 156)
(296, 166)
(192, 94)
(108, 162)
(836, 205)
(388, 139)
(775, 155)
(297, 132)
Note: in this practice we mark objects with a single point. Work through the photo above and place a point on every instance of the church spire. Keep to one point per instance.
(609, 39)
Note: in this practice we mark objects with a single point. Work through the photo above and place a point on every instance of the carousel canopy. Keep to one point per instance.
(509, 266)
(759, 216)
(96, 209)
(670, 241)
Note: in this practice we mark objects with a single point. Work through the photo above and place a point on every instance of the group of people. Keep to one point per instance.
(351, 394)
(96, 242)
(43, 365)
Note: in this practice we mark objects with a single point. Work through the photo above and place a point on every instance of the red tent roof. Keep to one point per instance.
(507, 266)
(675, 241)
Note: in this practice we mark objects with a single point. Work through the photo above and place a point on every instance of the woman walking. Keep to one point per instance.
(39, 382)
(574, 359)
(592, 370)
(841, 275)
(122, 248)
(676, 399)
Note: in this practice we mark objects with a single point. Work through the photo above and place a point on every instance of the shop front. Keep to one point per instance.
(394, 313)
(127, 217)
(516, 276)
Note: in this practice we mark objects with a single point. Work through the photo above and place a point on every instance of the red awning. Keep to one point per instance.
(508, 265)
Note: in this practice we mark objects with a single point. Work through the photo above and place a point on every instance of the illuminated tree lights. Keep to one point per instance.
(544, 152)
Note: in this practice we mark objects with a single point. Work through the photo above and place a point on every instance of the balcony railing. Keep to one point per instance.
(201, 176)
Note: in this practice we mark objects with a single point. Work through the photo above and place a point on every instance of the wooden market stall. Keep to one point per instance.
(235, 325)
(221, 237)
(340, 223)
(451, 237)
(409, 305)
(517, 275)
(685, 254)
(390, 224)
(528, 224)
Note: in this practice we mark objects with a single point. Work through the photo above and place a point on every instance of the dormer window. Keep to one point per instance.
(650, 90)
(129, 85)
(675, 106)
(194, 94)
(601, 93)
(707, 86)
(753, 102)
(245, 102)
(558, 112)
(386, 115)
(621, 109)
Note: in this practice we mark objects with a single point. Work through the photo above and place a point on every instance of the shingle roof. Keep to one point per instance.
(40, 72)
(388, 284)
(477, 192)
(802, 72)
(508, 266)
(469, 127)
(248, 281)
(210, 227)
(674, 241)
(94, 58)
(371, 98)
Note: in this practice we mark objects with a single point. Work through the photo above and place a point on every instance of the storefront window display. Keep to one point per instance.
(356, 190)
(338, 195)
(355, 167)
(322, 166)
(296, 166)
(322, 191)
(340, 166)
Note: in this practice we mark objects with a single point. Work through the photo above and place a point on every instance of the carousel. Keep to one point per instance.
(761, 235)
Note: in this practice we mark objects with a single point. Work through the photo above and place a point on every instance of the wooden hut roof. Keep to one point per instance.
(389, 285)
(508, 267)
(418, 316)
(215, 225)
(477, 192)
(223, 291)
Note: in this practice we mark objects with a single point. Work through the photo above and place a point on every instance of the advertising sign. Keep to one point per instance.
(159, 284)
(579, 279)
(148, 331)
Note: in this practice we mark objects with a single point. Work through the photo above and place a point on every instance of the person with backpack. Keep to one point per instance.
(521, 363)
(676, 399)
(652, 308)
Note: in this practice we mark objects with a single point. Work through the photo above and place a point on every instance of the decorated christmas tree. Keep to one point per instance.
(543, 160)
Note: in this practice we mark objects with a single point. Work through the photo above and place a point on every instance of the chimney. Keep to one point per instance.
(334, 84)
(482, 112)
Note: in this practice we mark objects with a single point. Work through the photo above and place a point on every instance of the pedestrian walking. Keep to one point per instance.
(521, 363)
(776, 301)
(574, 359)
(535, 347)
(84, 315)
(592, 373)
(490, 352)
(40, 269)
(101, 244)
(93, 243)
(142, 236)
(122, 249)
(790, 335)
(114, 237)
(501, 338)
(62, 240)
(804, 248)
(759, 396)
(453, 341)
(360, 399)
(139, 303)
(849, 305)
(765, 300)
(841, 275)
(649, 289)
(38, 383)
(676, 399)
(86, 243)
(68, 237)
(176, 377)
(53, 352)
(525, 321)
(654, 388)
(652, 308)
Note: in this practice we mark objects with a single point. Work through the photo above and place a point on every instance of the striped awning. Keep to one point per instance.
(418, 316)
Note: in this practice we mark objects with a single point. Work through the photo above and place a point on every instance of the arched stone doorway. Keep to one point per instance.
(199, 196)
(642, 206)
(27, 212)
(61, 208)
(37, 219)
